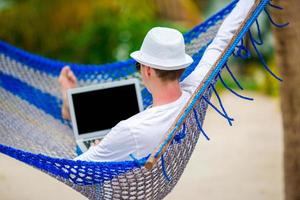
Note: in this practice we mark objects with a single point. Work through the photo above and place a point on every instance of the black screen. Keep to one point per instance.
(104, 108)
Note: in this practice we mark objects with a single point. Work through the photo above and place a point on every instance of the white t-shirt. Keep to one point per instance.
(141, 134)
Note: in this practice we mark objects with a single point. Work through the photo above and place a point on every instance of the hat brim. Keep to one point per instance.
(173, 64)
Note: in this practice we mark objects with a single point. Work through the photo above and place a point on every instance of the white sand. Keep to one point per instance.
(239, 162)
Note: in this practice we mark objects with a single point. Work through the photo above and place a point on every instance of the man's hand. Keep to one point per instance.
(67, 80)
(96, 142)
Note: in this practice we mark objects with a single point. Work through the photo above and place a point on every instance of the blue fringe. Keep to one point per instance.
(163, 167)
(260, 42)
(139, 162)
(199, 124)
(273, 22)
(275, 6)
(235, 93)
(224, 114)
(233, 77)
(242, 51)
(181, 135)
(261, 58)
(229, 119)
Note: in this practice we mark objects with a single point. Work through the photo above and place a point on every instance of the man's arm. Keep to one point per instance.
(225, 33)
(115, 146)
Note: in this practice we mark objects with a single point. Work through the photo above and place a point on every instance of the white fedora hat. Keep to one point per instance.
(163, 48)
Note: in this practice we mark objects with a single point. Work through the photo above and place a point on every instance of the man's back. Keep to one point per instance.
(139, 135)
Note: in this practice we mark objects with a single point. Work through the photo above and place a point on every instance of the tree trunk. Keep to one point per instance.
(288, 59)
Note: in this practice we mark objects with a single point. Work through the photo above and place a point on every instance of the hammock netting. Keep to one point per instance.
(33, 131)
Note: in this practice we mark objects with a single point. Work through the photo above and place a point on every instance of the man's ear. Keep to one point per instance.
(148, 71)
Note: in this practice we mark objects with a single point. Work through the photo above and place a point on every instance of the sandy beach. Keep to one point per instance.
(243, 161)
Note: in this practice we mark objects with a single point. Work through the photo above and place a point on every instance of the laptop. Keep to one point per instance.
(97, 108)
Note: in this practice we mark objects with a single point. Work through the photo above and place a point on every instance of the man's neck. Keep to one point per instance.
(166, 92)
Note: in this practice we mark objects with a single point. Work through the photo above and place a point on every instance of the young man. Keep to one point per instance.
(162, 60)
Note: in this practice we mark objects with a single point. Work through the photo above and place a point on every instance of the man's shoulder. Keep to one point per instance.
(139, 117)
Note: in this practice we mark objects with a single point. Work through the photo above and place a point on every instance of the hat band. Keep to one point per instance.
(174, 62)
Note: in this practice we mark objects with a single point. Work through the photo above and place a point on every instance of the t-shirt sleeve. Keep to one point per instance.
(116, 146)
(225, 33)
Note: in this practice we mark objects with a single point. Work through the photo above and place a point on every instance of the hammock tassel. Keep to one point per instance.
(242, 51)
(229, 119)
(235, 93)
(275, 6)
(199, 124)
(260, 42)
(224, 113)
(261, 58)
(181, 135)
(164, 170)
(139, 162)
(273, 22)
(233, 77)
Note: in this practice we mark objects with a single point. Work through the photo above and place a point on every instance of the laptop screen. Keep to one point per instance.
(103, 108)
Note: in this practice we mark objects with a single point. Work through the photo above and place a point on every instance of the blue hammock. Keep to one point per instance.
(33, 131)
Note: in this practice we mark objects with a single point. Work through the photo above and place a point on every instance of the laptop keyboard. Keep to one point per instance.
(89, 143)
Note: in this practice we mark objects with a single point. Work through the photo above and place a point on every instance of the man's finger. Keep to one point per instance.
(65, 70)
(71, 75)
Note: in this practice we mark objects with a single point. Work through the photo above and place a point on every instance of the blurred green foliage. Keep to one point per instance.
(85, 31)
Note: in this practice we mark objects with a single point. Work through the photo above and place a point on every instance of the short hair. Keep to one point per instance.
(169, 75)
(165, 75)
